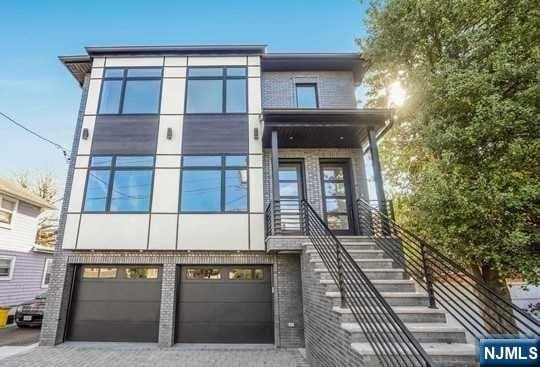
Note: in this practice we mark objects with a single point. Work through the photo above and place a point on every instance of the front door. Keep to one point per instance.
(291, 190)
(337, 199)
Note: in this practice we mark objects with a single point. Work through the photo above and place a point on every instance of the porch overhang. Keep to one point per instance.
(322, 128)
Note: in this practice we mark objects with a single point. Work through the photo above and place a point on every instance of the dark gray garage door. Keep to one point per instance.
(225, 304)
(116, 303)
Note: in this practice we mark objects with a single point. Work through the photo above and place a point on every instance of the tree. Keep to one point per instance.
(464, 154)
(44, 185)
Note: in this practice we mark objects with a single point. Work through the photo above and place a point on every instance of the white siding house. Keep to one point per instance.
(24, 267)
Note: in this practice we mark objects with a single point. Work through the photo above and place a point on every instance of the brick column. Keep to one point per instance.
(168, 305)
(58, 294)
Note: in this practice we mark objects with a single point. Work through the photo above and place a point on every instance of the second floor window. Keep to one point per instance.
(130, 91)
(306, 95)
(216, 90)
(119, 184)
(214, 184)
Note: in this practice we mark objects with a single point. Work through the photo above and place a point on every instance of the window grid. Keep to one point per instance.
(7, 210)
(223, 168)
(123, 79)
(112, 169)
(225, 75)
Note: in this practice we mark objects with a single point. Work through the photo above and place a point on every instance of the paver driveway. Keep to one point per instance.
(135, 355)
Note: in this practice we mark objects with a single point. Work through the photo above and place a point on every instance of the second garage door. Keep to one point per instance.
(225, 304)
(116, 303)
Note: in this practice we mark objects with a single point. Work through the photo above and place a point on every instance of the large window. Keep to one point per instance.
(119, 184)
(214, 184)
(130, 91)
(7, 209)
(7, 265)
(306, 95)
(216, 90)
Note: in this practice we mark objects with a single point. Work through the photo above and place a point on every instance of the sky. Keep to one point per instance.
(38, 91)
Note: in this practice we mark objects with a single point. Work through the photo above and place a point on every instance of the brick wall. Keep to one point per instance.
(335, 88)
(327, 344)
(311, 158)
(286, 282)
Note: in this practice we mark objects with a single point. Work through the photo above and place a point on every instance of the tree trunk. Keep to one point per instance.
(498, 317)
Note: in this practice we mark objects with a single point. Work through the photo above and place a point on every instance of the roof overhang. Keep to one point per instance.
(78, 66)
(323, 128)
(177, 50)
(316, 62)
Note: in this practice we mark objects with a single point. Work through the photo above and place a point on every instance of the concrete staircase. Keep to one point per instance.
(445, 342)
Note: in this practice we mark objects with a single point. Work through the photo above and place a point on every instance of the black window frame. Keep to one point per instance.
(224, 77)
(222, 168)
(314, 85)
(112, 168)
(124, 78)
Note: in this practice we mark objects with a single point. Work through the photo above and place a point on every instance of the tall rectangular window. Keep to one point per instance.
(306, 95)
(119, 184)
(216, 90)
(214, 184)
(130, 91)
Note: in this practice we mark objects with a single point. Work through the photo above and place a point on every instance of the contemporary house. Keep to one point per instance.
(216, 195)
(25, 266)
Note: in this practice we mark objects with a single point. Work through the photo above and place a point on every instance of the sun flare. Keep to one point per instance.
(396, 94)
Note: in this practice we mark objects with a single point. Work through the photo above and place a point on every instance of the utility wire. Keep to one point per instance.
(64, 150)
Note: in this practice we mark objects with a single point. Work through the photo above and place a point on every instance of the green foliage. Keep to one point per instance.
(464, 154)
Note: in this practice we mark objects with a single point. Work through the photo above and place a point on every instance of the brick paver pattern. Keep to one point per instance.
(71, 356)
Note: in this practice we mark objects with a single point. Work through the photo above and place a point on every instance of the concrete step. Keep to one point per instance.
(370, 273)
(349, 246)
(442, 354)
(363, 263)
(355, 253)
(423, 332)
(407, 314)
(392, 298)
(382, 285)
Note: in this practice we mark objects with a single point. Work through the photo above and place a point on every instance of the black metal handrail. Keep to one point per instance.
(283, 217)
(483, 312)
(392, 342)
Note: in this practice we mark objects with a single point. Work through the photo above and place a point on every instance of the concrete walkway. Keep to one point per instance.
(128, 354)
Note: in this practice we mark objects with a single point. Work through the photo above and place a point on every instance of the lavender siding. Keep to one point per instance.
(26, 281)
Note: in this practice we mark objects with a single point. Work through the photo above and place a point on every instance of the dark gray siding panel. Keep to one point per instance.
(125, 135)
(211, 134)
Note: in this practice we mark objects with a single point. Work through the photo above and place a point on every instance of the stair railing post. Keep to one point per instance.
(277, 217)
(341, 285)
(428, 275)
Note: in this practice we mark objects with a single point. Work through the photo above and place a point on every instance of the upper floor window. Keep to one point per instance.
(214, 184)
(130, 91)
(216, 90)
(119, 184)
(7, 209)
(306, 95)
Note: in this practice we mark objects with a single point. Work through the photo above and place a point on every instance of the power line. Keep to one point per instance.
(64, 150)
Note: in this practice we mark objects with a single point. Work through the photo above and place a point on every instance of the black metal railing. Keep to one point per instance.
(481, 310)
(283, 217)
(392, 342)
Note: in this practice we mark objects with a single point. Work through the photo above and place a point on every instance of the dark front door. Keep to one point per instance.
(225, 304)
(337, 198)
(115, 304)
(291, 193)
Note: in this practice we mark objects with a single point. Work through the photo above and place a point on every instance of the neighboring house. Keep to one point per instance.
(170, 231)
(24, 265)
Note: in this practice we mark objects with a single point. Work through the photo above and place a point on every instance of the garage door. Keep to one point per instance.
(225, 304)
(116, 303)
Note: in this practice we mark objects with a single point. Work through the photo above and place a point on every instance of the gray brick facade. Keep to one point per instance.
(286, 282)
(335, 88)
(312, 172)
(327, 344)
